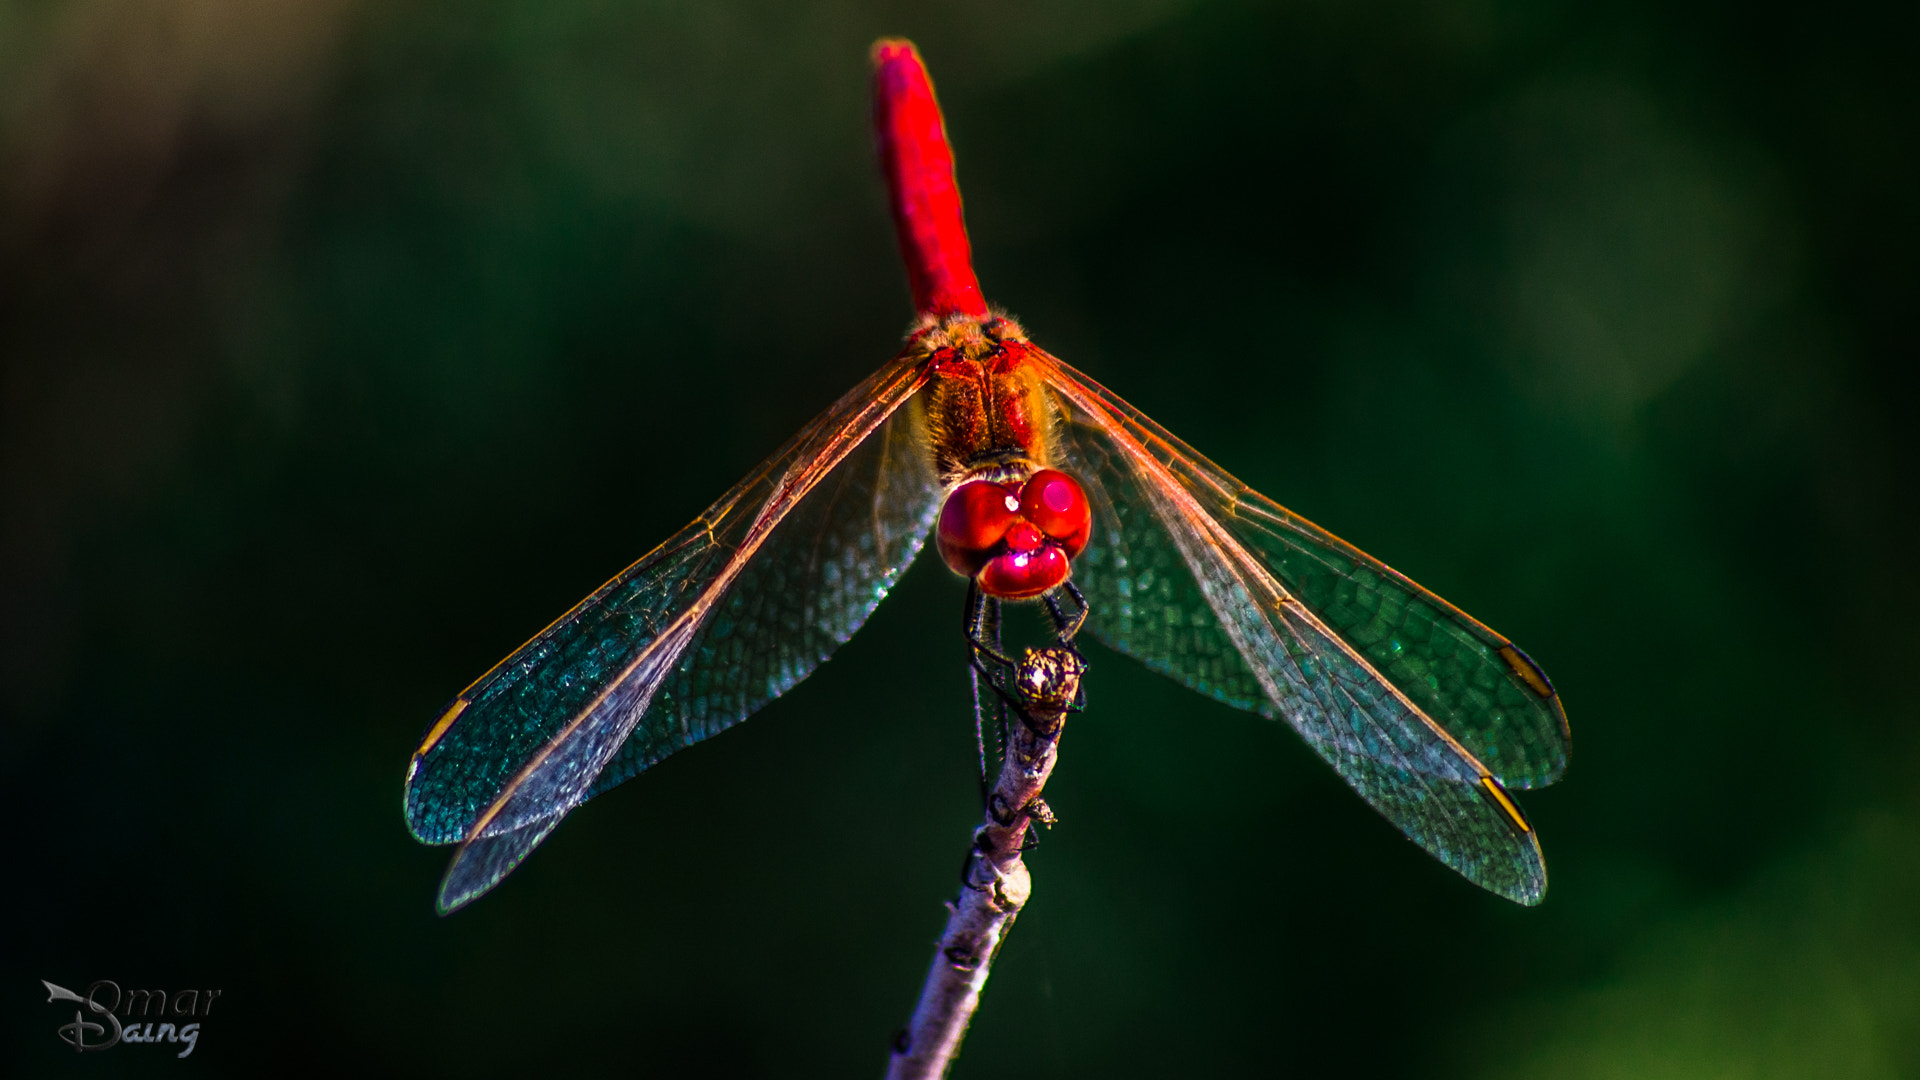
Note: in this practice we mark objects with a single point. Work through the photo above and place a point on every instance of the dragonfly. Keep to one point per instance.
(1039, 485)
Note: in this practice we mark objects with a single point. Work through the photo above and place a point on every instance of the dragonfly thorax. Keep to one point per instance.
(1017, 540)
(985, 400)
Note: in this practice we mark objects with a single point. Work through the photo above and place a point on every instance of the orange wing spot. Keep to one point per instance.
(1529, 672)
(440, 727)
(1506, 805)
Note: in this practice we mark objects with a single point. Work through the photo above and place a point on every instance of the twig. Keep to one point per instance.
(996, 884)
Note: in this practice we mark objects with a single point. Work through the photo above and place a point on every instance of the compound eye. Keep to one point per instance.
(1020, 575)
(1057, 505)
(974, 520)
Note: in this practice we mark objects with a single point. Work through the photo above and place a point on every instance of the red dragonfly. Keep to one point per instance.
(1037, 483)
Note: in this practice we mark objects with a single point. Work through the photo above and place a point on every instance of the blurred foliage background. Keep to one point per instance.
(344, 345)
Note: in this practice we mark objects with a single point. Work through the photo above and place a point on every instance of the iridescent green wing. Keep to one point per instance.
(1408, 698)
(722, 618)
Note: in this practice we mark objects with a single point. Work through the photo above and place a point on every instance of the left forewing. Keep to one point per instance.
(738, 607)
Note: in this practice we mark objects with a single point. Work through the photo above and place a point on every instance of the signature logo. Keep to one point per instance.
(177, 1016)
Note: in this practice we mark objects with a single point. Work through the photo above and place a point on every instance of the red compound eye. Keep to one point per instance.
(1057, 505)
(1017, 575)
(974, 520)
(1015, 544)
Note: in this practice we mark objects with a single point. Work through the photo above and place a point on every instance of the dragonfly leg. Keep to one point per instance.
(979, 727)
(1003, 674)
(981, 625)
(982, 629)
(990, 661)
(1067, 626)
(997, 703)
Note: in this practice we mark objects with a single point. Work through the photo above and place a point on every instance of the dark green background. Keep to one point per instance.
(345, 345)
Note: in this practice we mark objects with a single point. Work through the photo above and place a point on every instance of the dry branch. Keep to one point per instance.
(996, 883)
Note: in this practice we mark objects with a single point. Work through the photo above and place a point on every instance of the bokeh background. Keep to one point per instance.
(344, 345)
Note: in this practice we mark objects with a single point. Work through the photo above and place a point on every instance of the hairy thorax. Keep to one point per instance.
(987, 414)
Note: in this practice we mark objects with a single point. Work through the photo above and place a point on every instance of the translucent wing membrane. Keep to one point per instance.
(728, 614)
(1425, 712)
(812, 584)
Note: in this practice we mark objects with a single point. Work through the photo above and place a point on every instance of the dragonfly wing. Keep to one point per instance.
(728, 614)
(812, 584)
(1216, 585)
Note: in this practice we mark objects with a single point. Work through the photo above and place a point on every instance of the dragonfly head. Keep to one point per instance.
(1017, 540)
